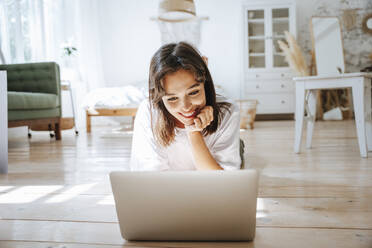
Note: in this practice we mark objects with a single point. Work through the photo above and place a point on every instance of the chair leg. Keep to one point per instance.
(57, 130)
(368, 111)
(299, 115)
(313, 96)
(358, 99)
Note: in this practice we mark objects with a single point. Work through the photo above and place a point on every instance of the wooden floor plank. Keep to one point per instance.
(281, 212)
(109, 234)
(58, 194)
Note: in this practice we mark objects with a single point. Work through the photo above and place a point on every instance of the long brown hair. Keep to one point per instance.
(169, 59)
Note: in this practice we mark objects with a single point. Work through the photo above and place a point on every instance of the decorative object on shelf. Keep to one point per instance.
(177, 21)
(69, 53)
(293, 55)
(367, 24)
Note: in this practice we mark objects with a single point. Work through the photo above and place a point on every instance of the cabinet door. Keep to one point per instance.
(255, 19)
(264, 27)
(280, 22)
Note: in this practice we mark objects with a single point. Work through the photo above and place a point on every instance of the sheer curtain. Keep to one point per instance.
(37, 30)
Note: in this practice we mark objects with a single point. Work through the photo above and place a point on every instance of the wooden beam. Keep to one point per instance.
(36, 122)
(108, 112)
(113, 112)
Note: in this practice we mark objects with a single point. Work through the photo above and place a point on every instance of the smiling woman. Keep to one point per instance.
(183, 125)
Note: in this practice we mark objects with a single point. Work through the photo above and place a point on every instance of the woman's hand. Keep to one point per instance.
(202, 120)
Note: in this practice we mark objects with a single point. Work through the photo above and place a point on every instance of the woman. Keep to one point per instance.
(183, 126)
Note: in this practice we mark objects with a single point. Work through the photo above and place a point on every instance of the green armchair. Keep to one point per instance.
(34, 95)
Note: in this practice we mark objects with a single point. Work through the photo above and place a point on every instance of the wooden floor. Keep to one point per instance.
(57, 193)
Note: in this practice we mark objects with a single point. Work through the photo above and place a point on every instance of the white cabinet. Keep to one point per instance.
(267, 76)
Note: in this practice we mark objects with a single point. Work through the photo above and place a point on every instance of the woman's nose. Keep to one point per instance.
(186, 105)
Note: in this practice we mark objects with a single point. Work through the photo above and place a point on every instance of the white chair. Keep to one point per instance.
(327, 44)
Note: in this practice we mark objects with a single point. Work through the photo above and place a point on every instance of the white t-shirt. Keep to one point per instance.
(148, 155)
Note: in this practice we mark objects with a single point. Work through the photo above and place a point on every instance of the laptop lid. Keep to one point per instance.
(187, 205)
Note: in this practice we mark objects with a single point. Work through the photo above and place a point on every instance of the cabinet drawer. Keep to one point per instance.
(252, 87)
(269, 75)
(274, 103)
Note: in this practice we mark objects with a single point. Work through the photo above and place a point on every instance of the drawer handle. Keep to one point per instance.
(257, 86)
(282, 101)
(282, 86)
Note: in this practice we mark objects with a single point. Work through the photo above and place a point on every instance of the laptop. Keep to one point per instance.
(187, 205)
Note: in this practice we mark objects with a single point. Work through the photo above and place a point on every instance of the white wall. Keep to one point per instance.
(129, 38)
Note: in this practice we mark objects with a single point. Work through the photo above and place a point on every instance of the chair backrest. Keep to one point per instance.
(327, 45)
(33, 77)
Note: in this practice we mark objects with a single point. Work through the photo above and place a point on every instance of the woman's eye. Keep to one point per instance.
(194, 93)
(172, 99)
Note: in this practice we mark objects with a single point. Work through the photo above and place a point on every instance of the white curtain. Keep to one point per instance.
(35, 30)
(88, 41)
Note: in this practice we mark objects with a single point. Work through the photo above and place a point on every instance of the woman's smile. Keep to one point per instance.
(190, 115)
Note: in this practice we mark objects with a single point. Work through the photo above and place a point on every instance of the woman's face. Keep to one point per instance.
(184, 97)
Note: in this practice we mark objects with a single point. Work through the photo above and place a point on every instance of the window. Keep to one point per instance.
(15, 36)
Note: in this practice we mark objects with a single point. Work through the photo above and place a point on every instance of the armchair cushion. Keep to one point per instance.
(28, 100)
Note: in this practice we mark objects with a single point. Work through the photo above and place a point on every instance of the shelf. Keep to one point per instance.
(257, 54)
(256, 37)
(280, 19)
(256, 20)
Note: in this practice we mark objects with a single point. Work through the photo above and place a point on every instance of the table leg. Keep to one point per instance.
(359, 103)
(311, 103)
(299, 115)
(368, 111)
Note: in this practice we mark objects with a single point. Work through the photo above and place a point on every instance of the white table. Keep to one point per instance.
(360, 83)
(3, 123)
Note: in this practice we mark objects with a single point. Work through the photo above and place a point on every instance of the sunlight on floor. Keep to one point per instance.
(5, 188)
(108, 200)
(70, 193)
(26, 194)
(260, 208)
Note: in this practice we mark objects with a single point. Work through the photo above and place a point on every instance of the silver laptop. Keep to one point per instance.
(187, 205)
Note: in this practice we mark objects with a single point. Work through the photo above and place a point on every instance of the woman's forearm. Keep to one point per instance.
(202, 156)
